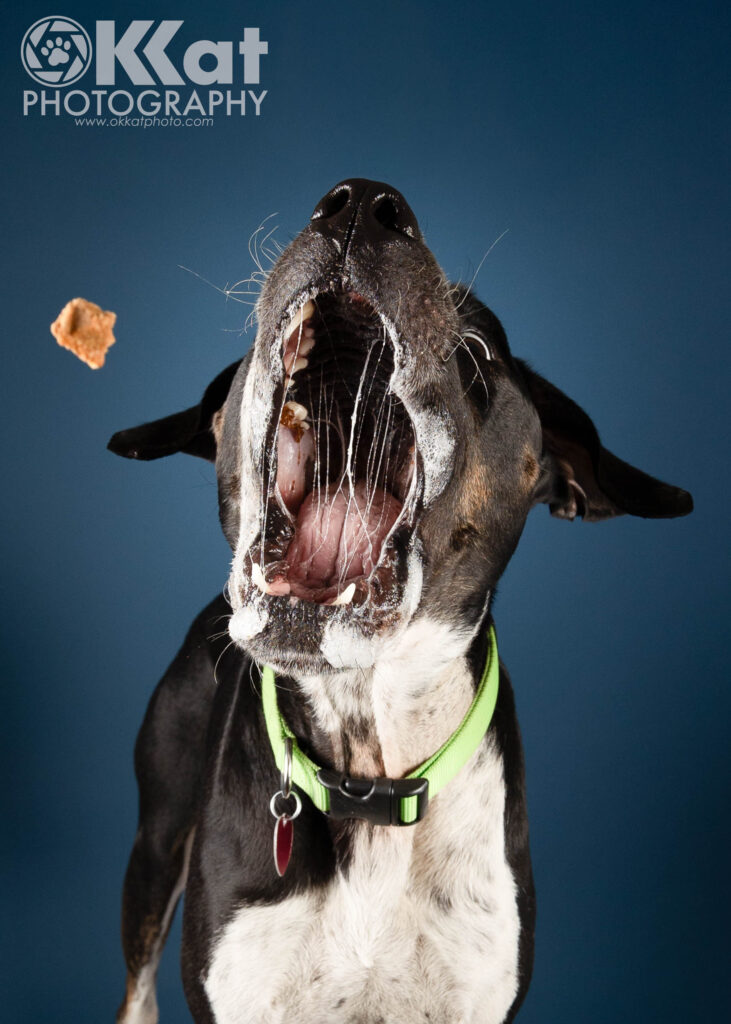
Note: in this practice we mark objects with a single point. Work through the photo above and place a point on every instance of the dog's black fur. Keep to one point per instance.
(203, 759)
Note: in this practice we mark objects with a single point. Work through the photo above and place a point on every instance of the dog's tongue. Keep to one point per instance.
(338, 536)
(339, 530)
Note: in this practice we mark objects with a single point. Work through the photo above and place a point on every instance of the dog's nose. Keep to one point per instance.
(362, 210)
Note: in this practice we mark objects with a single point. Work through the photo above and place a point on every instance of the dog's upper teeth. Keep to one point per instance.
(298, 342)
(307, 342)
(294, 414)
(302, 314)
(346, 596)
(293, 363)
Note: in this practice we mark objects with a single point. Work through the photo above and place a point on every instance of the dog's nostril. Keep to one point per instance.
(386, 213)
(390, 214)
(333, 203)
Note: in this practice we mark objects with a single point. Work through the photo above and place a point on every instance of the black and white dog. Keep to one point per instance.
(377, 453)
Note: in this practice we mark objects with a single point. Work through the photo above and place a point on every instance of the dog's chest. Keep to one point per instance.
(422, 926)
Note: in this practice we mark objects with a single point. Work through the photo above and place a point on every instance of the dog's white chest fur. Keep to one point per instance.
(423, 925)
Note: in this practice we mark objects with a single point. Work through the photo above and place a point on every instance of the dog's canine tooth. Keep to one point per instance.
(302, 314)
(346, 596)
(298, 342)
(279, 588)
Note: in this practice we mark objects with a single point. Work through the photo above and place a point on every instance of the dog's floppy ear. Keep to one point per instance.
(189, 431)
(580, 477)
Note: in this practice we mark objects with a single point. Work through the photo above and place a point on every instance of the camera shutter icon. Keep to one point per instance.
(56, 51)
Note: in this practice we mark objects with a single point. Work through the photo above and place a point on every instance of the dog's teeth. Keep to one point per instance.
(302, 314)
(299, 341)
(278, 587)
(292, 365)
(346, 596)
(297, 411)
(294, 417)
(307, 343)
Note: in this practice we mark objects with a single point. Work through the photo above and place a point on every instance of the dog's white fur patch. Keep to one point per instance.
(256, 407)
(436, 442)
(346, 647)
(425, 919)
(434, 430)
(247, 621)
(141, 1008)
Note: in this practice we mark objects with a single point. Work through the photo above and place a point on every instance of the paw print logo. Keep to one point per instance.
(56, 51)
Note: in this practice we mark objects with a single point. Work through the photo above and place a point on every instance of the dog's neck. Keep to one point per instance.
(388, 718)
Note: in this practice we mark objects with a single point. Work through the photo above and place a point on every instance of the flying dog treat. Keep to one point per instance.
(86, 329)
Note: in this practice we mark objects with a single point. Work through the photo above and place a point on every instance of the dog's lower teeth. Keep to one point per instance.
(276, 589)
(346, 596)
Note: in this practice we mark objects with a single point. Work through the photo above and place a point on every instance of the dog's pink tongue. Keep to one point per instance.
(339, 534)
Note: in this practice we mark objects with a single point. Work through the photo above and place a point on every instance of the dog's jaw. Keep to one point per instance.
(344, 625)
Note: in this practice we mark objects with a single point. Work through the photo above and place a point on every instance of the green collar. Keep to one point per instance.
(385, 801)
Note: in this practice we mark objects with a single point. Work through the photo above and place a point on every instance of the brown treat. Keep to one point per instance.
(86, 329)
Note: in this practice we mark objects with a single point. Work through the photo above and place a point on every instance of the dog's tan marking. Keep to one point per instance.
(531, 467)
(476, 490)
(217, 423)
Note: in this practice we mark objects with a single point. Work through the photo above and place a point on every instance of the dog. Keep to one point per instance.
(377, 453)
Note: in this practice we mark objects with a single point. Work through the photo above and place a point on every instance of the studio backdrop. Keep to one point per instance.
(568, 160)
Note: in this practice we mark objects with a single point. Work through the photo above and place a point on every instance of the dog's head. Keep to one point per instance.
(379, 448)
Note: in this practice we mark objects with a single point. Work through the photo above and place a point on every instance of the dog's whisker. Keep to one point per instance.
(470, 286)
(228, 646)
(253, 240)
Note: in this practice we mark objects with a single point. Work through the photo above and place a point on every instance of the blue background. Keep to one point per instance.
(598, 137)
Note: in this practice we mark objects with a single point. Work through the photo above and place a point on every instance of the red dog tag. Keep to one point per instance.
(283, 839)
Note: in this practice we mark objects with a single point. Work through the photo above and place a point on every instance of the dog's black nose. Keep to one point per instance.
(369, 211)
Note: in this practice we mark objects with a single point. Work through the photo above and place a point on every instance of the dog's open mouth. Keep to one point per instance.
(340, 468)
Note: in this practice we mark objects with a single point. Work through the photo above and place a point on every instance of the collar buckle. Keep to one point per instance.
(375, 800)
